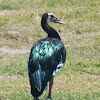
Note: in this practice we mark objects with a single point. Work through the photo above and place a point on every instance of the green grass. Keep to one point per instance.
(20, 28)
(14, 65)
(61, 96)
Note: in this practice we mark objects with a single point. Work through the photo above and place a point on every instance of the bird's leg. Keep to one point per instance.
(36, 98)
(50, 87)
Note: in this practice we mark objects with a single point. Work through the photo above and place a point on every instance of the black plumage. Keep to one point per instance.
(47, 57)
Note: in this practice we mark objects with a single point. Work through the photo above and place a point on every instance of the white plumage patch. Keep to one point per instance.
(48, 20)
(49, 17)
(59, 67)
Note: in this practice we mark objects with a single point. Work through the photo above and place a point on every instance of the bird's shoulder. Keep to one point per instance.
(46, 51)
(47, 45)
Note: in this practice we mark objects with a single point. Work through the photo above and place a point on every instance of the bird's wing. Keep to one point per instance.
(50, 55)
(46, 59)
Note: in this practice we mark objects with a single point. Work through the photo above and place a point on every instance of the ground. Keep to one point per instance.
(20, 29)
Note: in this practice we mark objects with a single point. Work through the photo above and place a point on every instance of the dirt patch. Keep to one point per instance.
(14, 51)
(19, 27)
(8, 12)
(10, 77)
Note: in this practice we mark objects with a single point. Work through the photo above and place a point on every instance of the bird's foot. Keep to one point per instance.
(36, 99)
(49, 98)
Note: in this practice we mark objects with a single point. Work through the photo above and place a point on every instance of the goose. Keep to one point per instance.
(47, 57)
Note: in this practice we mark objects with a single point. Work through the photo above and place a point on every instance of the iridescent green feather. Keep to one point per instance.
(46, 52)
(45, 56)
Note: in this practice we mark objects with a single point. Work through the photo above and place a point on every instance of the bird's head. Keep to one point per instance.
(50, 17)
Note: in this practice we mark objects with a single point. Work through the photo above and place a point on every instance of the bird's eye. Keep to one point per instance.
(59, 67)
(52, 15)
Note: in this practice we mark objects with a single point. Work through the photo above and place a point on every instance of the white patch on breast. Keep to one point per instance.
(59, 67)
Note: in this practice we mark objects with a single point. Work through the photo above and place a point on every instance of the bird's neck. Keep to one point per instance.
(49, 30)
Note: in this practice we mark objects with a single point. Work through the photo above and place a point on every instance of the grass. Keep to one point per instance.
(20, 28)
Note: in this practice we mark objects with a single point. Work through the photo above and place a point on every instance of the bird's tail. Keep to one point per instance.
(37, 80)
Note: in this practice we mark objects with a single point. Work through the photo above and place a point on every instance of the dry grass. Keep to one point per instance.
(20, 28)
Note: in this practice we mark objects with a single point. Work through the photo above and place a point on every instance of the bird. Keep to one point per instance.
(47, 57)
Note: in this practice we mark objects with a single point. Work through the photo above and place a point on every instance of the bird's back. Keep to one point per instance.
(47, 57)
